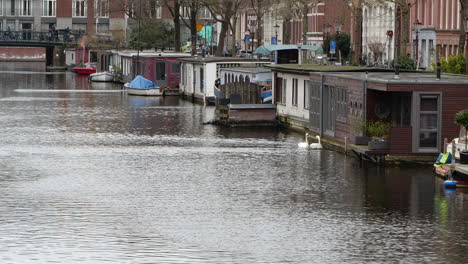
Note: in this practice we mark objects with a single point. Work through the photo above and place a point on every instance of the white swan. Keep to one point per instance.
(306, 143)
(316, 145)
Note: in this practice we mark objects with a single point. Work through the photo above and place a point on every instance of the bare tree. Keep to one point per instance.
(174, 9)
(226, 12)
(286, 12)
(259, 8)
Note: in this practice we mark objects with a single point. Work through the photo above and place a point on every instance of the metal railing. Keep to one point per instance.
(58, 37)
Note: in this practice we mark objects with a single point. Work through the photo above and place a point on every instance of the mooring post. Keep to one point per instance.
(445, 145)
(346, 145)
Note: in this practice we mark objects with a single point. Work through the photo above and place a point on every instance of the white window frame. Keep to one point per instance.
(204, 13)
(80, 7)
(102, 8)
(25, 8)
(46, 11)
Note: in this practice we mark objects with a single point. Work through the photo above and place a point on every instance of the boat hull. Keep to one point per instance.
(84, 70)
(101, 77)
(145, 92)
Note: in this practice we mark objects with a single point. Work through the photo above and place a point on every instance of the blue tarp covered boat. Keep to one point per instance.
(142, 86)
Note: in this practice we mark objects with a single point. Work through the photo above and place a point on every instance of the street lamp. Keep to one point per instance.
(466, 43)
(276, 26)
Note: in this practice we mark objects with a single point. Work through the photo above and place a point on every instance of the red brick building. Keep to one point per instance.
(435, 27)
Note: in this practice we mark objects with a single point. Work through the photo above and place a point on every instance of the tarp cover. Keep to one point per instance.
(268, 49)
(140, 82)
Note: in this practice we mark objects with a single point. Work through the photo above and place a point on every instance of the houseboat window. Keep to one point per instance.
(314, 111)
(175, 68)
(202, 80)
(237, 80)
(342, 103)
(247, 79)
(284, 91)
(241, 79)
(278, 89)
(294, 91)
(306, 94)
(160, 70)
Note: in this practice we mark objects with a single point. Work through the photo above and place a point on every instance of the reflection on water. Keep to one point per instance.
(106, 177)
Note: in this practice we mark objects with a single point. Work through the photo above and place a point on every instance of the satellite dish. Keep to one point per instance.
(382, 111)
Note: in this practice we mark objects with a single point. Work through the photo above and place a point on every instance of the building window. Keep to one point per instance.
(102, 8)
(185, 12)
(306, 94)
(10, 7)
(204, 13)
(103, 28)
(155, 9)
(49, 8)
(294, 91)
(25, 7)
(79, 8)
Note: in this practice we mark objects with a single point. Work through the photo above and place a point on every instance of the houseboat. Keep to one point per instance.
(163, 68)
(199, 75)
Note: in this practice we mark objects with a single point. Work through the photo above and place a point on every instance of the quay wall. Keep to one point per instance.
(22, 54)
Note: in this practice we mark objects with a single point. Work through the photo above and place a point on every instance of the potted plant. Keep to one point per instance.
(379, 132)
(461, 119)
(360, 127)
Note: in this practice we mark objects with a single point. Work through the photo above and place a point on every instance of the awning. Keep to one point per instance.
(269, 49)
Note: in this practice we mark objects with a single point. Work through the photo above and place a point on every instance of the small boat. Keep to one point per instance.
(143, 86)
(84, 70)
(101, 77)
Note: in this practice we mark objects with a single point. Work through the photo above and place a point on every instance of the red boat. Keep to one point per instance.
(84, 70)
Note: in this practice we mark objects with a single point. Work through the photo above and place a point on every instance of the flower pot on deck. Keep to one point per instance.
(378, 145)
(361, 140)
(464, 157)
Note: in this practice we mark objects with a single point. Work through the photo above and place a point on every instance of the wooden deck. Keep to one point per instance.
(375, 156)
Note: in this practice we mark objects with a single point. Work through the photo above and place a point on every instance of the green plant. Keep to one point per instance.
(378, 130)
(405, 62)
(360, 126)
(454, 64)
(461, 119)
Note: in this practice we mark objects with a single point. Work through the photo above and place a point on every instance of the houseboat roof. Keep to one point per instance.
(150, 54)
(307, 68)
(248, 69)
(424, 78)
(199, 59)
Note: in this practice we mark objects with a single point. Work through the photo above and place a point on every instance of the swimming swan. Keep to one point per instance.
(306, 143)
(316, 145)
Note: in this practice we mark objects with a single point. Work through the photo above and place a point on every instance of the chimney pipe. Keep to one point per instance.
(439, 68)
(397, 71)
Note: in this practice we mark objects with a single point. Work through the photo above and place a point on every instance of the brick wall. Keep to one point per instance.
(22, 54)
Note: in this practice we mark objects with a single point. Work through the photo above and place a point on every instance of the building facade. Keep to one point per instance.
(87, 16)
(435, 27)
(378, 26)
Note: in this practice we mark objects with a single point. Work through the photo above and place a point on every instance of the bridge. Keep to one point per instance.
(37, 39)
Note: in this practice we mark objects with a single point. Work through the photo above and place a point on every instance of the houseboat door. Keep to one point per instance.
(427, 122)
(329, 110)
(160, 76)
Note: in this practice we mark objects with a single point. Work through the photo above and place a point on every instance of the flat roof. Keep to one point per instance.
(305, 68)
(248, 69)
(150, 54)
(222, 59)
(421, 77)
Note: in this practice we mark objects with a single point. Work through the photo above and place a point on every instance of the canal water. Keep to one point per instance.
(89, 174)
